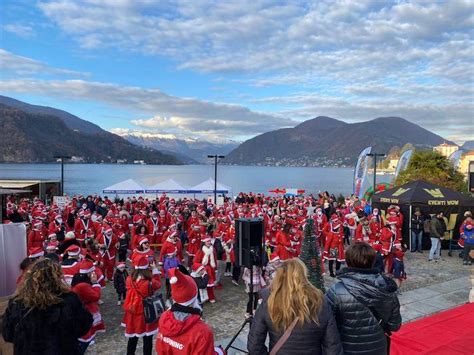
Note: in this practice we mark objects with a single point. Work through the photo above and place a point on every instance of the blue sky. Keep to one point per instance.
(230, 70)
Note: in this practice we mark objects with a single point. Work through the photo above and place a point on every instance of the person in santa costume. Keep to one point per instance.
(320, 221)
(153, 228)
(194, 241)
(334, 246)
(70, 263)
(170, 258)
(363, 232)
(108, 246)
(35, 236)
(208, 258)
(182, 331)
(143, 282)
(85, 285)
(57, 227)
(285, 249)
(388, 236)
(143, 249)
(83, 226)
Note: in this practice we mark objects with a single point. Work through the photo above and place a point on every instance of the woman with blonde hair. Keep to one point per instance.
(44, 316)
(295, 316)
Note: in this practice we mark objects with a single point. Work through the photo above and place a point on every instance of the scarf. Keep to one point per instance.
(208, 256)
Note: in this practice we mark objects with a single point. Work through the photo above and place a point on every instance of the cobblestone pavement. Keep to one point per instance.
(227, 314)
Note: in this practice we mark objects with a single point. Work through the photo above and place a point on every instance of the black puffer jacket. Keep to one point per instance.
(50, 332)
(360, 297)
(310, 339)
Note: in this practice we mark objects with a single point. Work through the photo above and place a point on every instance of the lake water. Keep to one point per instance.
(93, 178)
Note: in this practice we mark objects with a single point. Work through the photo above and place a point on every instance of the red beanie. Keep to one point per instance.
(183, 288)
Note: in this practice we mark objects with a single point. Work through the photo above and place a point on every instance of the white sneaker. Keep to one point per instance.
(212, 301)
(119, 303)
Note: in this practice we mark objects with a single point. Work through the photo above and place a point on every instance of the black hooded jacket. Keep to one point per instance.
(366, 307)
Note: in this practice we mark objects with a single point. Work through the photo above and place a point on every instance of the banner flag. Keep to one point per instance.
(403, 162)
(360, 171)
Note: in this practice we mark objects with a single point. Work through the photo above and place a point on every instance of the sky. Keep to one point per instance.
(229, 70)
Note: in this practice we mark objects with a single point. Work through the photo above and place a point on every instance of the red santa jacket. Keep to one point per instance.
(83, 228)
(35, 239)
(187, 337)
(110, 244)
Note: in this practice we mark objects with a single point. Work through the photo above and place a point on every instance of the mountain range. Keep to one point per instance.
(32, 133)
(36, 138)
(188, 151)
(325, 141)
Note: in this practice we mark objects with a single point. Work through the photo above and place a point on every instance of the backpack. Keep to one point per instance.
(133, 302)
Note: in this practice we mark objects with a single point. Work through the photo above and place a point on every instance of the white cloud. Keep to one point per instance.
(186, 116)
(20, 30)
(16, 64)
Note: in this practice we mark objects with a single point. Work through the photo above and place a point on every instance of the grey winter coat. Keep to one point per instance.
(366, 307)
(311, 339)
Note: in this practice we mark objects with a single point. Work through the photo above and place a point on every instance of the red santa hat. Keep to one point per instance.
(121, 265)
(86, 266)
(206, 239)
(70, 235)
(73, 250)
(140, 263)
(36, 252)
(37, 224)
(183, 287)
(197, 267)
(142, 240)
(108, 230)
(87, 214)
(274, 257)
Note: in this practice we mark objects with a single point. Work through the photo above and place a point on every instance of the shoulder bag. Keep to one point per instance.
(283, 338)
(153, 305)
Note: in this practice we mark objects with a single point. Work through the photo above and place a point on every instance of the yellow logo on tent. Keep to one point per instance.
(436, 193)
(400, 191)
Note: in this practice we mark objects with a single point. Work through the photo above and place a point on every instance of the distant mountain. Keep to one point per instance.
(325, 141)
(468, 145)
(187, 150)
(71, 121)
(34, 137)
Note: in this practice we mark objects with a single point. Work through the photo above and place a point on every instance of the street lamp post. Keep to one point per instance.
(215, 157)
(375, 155)
(62, 157)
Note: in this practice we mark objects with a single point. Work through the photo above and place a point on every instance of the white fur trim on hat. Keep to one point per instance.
(173, 280)
(70, 235)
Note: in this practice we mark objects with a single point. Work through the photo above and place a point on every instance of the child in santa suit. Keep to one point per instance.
(399, 273)
(334, 247)
(229, 254)
(85, 285)
(208, 258)
(143, 282)
(182, 331)
(170, 258)
(201, 279)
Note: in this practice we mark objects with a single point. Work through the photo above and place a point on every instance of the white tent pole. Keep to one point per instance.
(410, 232)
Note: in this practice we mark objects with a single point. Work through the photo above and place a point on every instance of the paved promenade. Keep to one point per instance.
(430, 288)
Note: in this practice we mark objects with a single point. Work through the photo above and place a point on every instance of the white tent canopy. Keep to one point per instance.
(129, 186)
(207, 187)
(168, 186)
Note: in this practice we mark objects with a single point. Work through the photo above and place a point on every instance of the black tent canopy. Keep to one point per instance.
(420, 192)
(430, 198)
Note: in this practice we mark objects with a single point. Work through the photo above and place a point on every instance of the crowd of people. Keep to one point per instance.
(188, 245)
